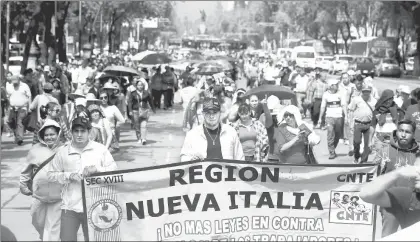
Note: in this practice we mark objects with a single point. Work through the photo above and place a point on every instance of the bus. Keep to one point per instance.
(322, 47)
(375, 47)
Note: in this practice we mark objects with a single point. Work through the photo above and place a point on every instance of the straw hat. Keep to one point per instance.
(91, 97)
(77, 94)
(109, 86)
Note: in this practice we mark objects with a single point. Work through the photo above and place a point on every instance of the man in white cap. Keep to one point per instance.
(404, 95)
(360, 118)
(334, 107)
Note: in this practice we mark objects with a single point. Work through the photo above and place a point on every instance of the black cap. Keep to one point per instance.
(211, 104)
(81, 122)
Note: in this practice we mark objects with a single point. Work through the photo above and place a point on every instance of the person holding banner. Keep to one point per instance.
(72, 163)
(212, 140)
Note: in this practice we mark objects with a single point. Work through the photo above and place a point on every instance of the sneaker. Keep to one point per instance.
(351, 153)
(356, 161)
(332, 156)
(9, 134)
(143, 142)
(20, 142)
(139, 141)
(341, 141)
(346, 142)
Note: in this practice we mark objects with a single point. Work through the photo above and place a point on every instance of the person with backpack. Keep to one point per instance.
(46, 206)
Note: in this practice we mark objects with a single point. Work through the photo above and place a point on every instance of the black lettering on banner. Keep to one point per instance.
(298, 200)
(192, 206)
(113, 179)
(195, 171)
(216, 176)
(358, 177)
(210, 202)
(247, 194)
(231, 170)
(174, 202)
(266, 172)
(265, 200)
(254, 174)
(176, 175)
(139, 211)
(232, 196)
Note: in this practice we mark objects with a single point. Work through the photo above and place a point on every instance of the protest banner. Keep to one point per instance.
(230, 201)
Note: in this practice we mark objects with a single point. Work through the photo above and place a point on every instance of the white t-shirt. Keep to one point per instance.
(334, 104)
(301, 83)
(187, 94)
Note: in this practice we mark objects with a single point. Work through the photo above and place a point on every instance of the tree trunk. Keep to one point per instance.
(110, 43)
(30, 36)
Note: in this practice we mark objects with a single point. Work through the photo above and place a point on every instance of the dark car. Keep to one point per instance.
(365, 65)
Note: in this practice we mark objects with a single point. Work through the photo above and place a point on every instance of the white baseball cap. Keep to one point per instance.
(405, 89)
(351, 73)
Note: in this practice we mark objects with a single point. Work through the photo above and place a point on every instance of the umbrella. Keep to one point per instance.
(155, 59)
(141, 55)
(121, 71)
(226, 64)
(208, 68)
(221, 57)
(105, 77)
(283, 93)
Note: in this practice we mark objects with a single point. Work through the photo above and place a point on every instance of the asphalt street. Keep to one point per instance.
(165, 138)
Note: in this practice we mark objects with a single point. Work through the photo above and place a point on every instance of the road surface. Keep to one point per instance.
(165, 138)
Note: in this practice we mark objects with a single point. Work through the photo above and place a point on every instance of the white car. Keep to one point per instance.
(324, 62)
(409, 65)
(340, 64)
(14, 65)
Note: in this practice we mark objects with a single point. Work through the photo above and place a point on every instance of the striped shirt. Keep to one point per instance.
(333, 105)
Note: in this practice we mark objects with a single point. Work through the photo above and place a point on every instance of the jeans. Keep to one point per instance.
(157, 96)
(19, 130)
(390, 223)
(70, 224)
(359, 131)
(168, 95)
(140, 125)
(316, 111)
(334, 129)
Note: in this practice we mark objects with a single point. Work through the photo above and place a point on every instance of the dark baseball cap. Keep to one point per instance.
(211, 104)
(81, 122)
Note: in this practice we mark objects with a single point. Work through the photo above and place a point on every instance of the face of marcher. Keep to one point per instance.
(345, 79)
(253, 101)
(405, 96)
(405, 134)
(95, 116)
(97, 84)
(245, 116)
(54, 112)
(290, 119)
(212, 119)
(104, 98)
(334, 88)
(140, 86)
(366, 95)
(50, 136)
(359, 85)
(80, 135)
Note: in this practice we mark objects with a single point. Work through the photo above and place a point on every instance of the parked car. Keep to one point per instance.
(340, 64)
(14, 65)
(324, 62)
(409, 65)
(388, 67)
(363, 64)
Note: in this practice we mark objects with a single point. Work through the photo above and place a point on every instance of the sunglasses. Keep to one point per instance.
(289, 115)
(103, 98)
(56, 110)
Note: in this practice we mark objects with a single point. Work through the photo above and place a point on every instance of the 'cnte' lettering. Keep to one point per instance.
(352, 216)
(355, 177)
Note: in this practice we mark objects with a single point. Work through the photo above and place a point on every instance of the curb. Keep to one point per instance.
(411, 77)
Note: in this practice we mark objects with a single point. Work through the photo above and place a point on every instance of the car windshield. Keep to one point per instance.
(345, 58)
(389, 61)
(364, 60)
(14, 63)
(305, 55)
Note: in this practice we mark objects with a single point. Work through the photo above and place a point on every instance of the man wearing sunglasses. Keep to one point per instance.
(72, 163)
(212, 140)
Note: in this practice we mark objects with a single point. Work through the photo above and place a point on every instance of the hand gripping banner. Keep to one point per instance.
(228, 200)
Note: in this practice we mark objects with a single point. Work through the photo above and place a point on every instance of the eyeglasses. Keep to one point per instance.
(56, 110)
(289, 115)
(103, 98)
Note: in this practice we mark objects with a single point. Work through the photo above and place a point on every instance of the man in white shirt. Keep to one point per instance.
(19, 95)
(302, 81)
(81, 75)
(188, 92)
(333, 106)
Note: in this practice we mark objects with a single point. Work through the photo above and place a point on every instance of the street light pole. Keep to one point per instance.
(7, 35)
(80, 27)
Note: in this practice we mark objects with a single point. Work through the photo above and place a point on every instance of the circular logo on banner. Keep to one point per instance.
(105, 215)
